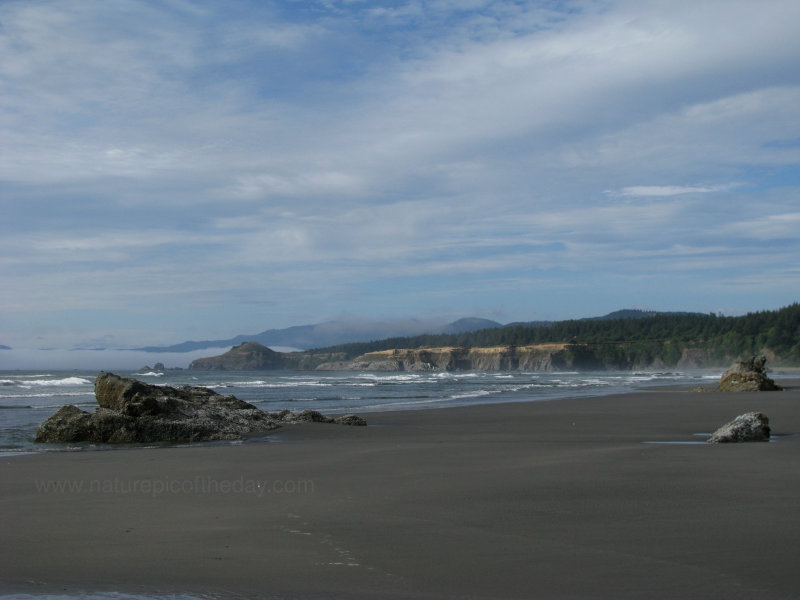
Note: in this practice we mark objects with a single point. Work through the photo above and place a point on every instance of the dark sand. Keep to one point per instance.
(558, 499)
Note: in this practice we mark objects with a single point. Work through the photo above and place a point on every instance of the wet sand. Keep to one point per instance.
(561, 499)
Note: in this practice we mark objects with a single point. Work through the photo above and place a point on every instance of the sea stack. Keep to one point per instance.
(747, 376)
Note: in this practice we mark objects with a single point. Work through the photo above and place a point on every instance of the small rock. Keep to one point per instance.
(351, 420)
(749, 427)
(312, 416)
(282, 415)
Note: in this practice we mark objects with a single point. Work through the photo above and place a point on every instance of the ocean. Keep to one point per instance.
(27, 398)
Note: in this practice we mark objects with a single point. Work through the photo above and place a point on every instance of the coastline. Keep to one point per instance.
(30, 399)
(522, 500)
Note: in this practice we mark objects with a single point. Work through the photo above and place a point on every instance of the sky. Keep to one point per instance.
(174, 170)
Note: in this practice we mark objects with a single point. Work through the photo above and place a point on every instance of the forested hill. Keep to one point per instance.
(777, 332)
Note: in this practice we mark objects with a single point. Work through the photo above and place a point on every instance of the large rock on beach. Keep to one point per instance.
(131, 411)
(747, 376)
(749, 427)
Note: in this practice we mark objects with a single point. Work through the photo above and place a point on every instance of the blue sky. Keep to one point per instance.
(179, 170)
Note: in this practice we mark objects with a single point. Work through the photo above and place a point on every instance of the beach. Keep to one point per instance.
(601, 497)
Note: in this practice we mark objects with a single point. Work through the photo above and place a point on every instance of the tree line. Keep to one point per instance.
(623, 342)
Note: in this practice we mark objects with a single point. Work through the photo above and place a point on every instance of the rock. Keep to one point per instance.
(68, 424)
(351, 420)
(249, 356)
(71, 424)
(311, 416)
(749, 427)
(747, 376)
(283, 415)
(130, 411)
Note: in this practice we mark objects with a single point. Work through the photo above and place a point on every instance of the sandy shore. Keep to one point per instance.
(559, 499)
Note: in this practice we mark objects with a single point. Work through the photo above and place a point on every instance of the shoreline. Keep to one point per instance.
(518, 500)
(487, 392)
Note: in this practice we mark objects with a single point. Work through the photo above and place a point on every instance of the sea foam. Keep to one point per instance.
(59, 382)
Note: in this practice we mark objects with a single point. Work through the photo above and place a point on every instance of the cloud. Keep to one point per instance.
(319, 158)
(766, 227)
(669, 190)
(266, 185)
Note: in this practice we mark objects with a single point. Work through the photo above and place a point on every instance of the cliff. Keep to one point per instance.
(252, 356)
(534, 357)
(539, 357)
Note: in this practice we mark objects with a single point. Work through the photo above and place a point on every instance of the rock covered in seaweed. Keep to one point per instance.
(313, 416)
(131, 411)
(749, 427)
(351, 420)
(747, 376)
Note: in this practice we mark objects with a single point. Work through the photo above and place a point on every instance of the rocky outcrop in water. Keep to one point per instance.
(252, 356)
(131, 411)
(747, 376)
(749, 427)
(249, 356)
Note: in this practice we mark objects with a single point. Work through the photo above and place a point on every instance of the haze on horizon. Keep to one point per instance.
(174, 170)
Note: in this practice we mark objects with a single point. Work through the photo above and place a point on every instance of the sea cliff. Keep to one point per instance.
(616, 342)
(540, 357)
(535, 357)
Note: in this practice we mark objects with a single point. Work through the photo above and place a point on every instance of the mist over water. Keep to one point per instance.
(27, 398)
(97, 360)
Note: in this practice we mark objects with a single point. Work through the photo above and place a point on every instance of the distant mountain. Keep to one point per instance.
(469, 324)
(332, 333)
(530, 324)
(626, 313)
(635, 313)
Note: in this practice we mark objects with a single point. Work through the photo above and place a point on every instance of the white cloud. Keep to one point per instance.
(220, 158)
(766, 227)
(669, 190)
(722, 136)
(267, 185)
